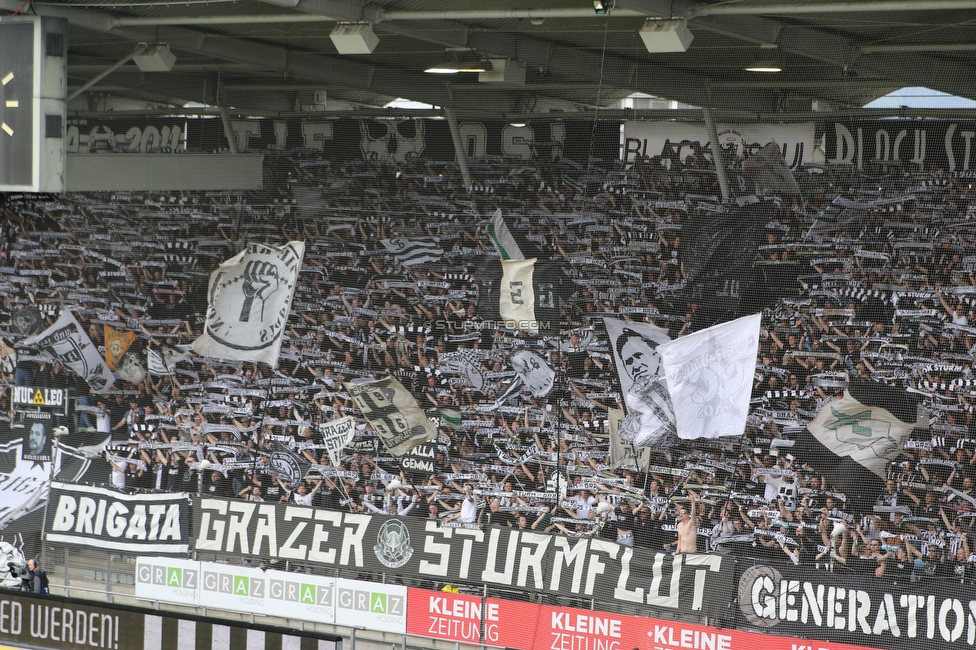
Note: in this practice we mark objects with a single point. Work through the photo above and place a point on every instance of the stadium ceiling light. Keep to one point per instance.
(764, 65)
(461, 65)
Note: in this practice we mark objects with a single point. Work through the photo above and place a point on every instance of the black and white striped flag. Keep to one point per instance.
(413, 250)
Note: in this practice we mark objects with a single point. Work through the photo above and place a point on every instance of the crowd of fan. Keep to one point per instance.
(888, 297)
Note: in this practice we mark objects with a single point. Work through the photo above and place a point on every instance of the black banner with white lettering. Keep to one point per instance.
(103, 518)
(857, 608)
(59, 623)
(400, 140)
(28, 398)
(493, 556)
(944, 144)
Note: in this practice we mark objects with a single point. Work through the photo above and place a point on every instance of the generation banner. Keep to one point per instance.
(107, 519)
(494, 556)
(931, 613)
(70, 344)
(249, 590)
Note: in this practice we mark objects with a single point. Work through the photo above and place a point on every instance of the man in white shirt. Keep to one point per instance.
(302, 496)
(469, 507)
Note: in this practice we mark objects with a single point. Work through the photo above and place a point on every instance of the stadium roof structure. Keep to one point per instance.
(275, 57)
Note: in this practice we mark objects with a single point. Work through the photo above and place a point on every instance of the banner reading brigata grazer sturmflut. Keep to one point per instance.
(102, 518)
(493, 556)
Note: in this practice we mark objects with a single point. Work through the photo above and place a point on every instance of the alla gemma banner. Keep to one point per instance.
(494, 556)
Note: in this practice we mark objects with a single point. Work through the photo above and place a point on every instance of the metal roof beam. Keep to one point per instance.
(909, 68)
(582, 66)
(300, 65)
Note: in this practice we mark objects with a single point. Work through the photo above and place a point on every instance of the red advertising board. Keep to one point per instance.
(525, 626)
(441, 615)
(539, 627)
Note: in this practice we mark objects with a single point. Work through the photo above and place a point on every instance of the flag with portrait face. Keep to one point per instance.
(650, 417)
(249, 299)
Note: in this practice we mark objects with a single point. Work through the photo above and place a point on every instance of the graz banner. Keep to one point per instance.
(108, 519)
(946, 144)
(932, 612)
(246, 590)
(416, 548)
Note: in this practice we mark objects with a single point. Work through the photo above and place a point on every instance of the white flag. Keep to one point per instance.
(516, 299)
(535, 373)
(154, 362)
(130, 369)
(336, 435)
(68, 343)
(414, 250)
(249, 300)
(622, 453)
(502, 238)
(710, 377)
(393, 413)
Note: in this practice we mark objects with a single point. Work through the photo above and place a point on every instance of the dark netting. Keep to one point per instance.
(836, 502)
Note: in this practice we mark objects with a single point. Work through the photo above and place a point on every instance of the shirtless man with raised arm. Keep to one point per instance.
(688, 526)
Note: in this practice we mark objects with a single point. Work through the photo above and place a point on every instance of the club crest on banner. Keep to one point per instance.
(861, 430)
(287, 465)
(393, 544)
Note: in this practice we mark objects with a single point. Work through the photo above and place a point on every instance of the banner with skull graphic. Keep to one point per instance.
(249, 299)
(68, 343)
(116, 344)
